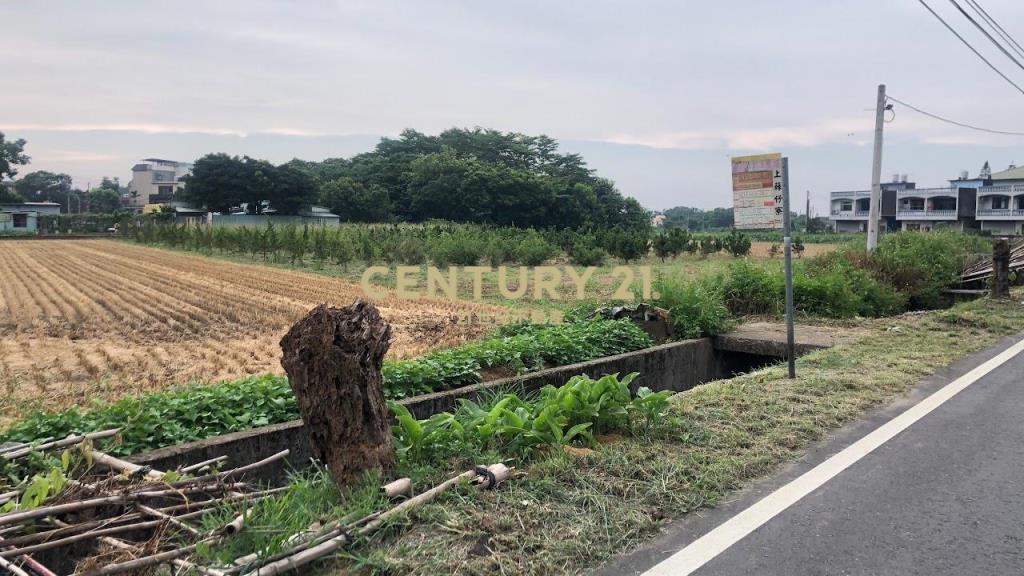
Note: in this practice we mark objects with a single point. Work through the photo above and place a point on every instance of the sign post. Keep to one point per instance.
(787, 242)
(760, 196)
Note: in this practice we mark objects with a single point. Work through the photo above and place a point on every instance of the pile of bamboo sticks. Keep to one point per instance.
(145, 518)
(145, 515)
(981, 268)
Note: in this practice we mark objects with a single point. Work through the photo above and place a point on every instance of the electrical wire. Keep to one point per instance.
(987, 35)
(973, 49)
(997, 27)
(954, 122)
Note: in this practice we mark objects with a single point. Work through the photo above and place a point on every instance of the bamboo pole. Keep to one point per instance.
(312, 553)
(203, 464)
(400, 487)
(180, 563)
(69, 441)
(26, 560)
(7, 565)
(42, 511)
(145, 561)
(124, 466)
(176, 522)
(221, 476)
(144, 525)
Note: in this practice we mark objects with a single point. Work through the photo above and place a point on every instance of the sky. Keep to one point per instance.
(657, 95)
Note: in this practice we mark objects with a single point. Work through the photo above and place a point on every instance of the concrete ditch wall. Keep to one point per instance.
(675, 366)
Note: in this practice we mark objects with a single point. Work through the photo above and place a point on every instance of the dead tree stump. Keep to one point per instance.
(333, 359)
(1001, 268)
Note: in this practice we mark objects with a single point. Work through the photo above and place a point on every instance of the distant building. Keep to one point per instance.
(993, 202)
(1001, 202)
(24, 216)
(154, 181)
(850, 208)
(658, 220)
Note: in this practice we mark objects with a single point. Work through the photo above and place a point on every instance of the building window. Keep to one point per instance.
(20, 220)
(846, 206)
(1000, 202)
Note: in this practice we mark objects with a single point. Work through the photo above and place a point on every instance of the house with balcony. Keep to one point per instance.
(926, 209)
(155, 180)
(850, 208)
(1001, 202)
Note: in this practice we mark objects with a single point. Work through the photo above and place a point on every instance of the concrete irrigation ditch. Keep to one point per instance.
(676, 366)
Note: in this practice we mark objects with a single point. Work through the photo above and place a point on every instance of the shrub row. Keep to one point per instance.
(908, 271)
(442, 244)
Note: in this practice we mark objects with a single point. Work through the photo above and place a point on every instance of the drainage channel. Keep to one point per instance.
(676, 366)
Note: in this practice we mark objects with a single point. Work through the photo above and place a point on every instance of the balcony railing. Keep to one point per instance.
(849, 214)
(1001, 190)
(907, 214)
(1000, 213)
(851, 194)
(927, 192)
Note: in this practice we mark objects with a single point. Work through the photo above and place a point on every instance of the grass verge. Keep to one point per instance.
(569, 513)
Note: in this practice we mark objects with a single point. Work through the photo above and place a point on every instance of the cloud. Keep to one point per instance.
(144, 128)
(669, 140)
(53, 155)
(840, 130)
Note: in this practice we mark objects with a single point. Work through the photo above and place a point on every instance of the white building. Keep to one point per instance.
(154, 181)
(1001, 202)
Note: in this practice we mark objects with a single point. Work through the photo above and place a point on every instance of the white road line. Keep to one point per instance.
(710, 545)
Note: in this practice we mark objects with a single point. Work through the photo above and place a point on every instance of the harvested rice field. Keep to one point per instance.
(84, 320)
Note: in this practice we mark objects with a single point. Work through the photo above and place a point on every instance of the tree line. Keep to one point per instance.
(473, 176)
(696, 219)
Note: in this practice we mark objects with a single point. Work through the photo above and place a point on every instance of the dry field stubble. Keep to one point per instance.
(99, 319)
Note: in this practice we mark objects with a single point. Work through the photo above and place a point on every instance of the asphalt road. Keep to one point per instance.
(944, 496)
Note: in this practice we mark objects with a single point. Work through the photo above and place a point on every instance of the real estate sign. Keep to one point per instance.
(757, 191)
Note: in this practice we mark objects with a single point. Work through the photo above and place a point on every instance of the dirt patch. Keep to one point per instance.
(496, 373)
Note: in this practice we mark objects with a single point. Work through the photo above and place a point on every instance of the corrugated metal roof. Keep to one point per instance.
(1010, 174)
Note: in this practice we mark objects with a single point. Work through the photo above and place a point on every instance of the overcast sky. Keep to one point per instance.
(656, 95)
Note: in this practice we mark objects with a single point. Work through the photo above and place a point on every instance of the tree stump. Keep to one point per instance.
(1001, 268)
(333, 359)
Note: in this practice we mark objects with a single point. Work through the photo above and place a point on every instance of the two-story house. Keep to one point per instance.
(1001, 202)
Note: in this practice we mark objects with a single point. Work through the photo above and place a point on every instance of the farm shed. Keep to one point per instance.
(18, 221)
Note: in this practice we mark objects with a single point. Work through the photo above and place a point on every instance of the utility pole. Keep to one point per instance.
(807, 214)
(874, 209)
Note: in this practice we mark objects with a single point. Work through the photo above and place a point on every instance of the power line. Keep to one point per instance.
(998, 28)
(954, 122)
(968, 44)
(987, 35)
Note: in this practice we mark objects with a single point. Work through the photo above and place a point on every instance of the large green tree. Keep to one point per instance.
(104, 200)
(293, 190)
(479, 175)
(220, 182)
(44, 186)
(216, 183)
(356, 202)
(12, 153)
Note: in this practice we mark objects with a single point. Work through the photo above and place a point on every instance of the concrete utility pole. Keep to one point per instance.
(807, 214)
(876, 172)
